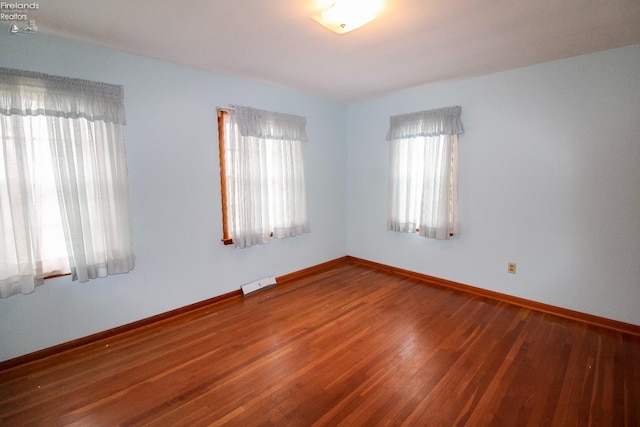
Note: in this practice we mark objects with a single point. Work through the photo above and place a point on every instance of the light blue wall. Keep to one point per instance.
(171, 141)
(549, 178)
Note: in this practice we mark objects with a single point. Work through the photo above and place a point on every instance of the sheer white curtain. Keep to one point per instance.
(265, 175)
(64, 200)
(423, 172)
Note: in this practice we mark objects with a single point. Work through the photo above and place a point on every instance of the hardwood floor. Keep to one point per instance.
(350, 345)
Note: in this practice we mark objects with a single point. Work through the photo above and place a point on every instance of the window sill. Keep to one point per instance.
(229, 241)
(53, 276)
(450, 234)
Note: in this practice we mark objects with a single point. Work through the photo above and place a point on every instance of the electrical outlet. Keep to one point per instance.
(511, 268)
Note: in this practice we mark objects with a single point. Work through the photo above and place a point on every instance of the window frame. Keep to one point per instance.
(226, 237)
(415, 171)
(437, 132)
(52, 120)
(223, 119)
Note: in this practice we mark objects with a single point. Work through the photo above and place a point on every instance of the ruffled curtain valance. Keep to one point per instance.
(56, 96)
(443, 121)
(269, 125)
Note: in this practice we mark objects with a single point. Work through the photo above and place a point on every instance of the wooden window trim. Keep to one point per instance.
(56, 275)
(226, 237)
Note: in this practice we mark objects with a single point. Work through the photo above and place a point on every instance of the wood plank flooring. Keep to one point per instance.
(350, 345)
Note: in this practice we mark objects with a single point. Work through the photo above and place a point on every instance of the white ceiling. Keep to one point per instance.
(413, 42)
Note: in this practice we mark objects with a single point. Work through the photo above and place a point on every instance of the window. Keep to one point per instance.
(48, 221)
(423, 161)
(64, 201)
(262, 175)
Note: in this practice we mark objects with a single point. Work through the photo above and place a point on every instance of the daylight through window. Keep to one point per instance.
(423, 162)
(262, 175)
(64, 200)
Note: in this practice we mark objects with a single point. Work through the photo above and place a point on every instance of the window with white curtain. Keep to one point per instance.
(423, 162)
(262, 175)
(64, 198)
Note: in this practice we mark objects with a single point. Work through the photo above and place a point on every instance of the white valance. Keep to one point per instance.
(59, 97)
(443, 121)
(269, 125)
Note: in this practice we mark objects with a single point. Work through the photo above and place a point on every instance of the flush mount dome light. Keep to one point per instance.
(342, 16)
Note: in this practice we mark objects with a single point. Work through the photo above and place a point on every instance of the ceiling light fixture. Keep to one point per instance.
(342, 16)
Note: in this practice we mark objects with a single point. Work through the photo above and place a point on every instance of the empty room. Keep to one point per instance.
(320, 212)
